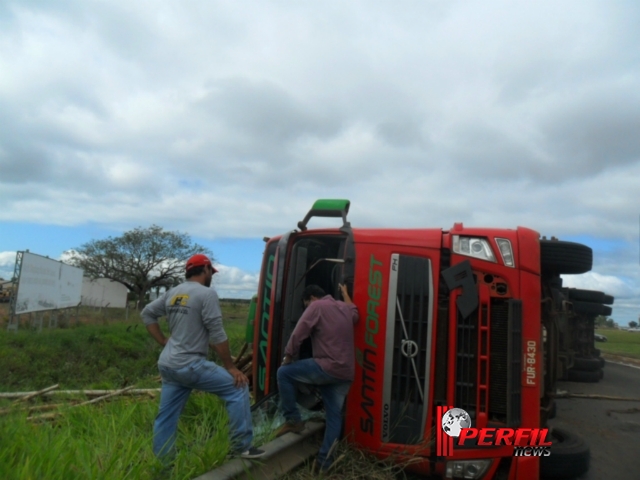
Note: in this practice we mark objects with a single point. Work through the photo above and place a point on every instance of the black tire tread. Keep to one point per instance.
(565, 257)
(590, 308)
(570, 456)
(585, 295)
(583, 377)
(586, 364)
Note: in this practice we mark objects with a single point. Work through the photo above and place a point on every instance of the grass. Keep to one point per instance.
(110, 440)
(352, 464)
(620, 342)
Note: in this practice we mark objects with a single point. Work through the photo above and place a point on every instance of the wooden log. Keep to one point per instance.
(247, 368)
(88, 393)
(51, 416)
(104, 397)
(243, 349)
(244, 361)
(36, 394)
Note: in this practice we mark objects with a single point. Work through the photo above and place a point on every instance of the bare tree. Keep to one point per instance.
(140, 259)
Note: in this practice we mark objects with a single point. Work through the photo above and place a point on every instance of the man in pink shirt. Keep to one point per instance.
(329, 323)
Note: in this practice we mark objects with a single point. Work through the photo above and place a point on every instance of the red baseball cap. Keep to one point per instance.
(199, 260)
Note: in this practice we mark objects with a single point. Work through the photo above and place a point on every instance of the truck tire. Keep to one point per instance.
(586, 364)
(602, 362)
(608, 300)
(591, 309)
(596, 352)
(556, 283)
(569, 457)
(583, 377)
(601, 372)
(565, 257)
(585, 295)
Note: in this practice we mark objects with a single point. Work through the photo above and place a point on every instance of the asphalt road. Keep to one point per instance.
(611, 428)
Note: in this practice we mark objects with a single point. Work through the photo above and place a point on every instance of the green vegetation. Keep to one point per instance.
(112, 439)
(620, 342)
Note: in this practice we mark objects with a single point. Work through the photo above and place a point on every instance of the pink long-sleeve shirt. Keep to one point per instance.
(329, 323)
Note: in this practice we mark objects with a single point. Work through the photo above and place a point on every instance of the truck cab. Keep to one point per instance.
(448, 318)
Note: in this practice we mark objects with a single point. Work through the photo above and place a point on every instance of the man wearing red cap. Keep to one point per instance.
(195, 322)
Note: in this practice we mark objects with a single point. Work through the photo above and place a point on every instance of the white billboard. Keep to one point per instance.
(47, 284)
(102, 292)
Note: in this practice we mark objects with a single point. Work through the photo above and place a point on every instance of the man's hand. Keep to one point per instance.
(156, 333)
(286, 360)
(345, 293)
(239, 378)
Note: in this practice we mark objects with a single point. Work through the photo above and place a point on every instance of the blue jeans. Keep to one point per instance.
(333, 390)
(176, 388)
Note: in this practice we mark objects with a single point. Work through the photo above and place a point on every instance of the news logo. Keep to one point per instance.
(455, 423)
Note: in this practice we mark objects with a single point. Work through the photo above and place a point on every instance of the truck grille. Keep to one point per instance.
(408, 340)
(506, 361)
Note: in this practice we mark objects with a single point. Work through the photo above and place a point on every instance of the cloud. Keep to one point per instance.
(605, 283)
(7, 264)
(232, 282)
(229, 121)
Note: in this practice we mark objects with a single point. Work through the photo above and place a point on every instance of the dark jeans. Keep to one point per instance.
(333, 390)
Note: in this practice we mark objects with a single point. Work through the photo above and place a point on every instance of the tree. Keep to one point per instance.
(140, 259)
(633, 324)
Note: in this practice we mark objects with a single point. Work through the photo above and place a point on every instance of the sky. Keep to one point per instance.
(227, 120)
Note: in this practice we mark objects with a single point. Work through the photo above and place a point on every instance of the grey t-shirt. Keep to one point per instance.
(195, 321)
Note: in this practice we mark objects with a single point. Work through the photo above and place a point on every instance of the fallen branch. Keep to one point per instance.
(35, 394)
(594, 396)
(248, 368)
(242, 350)
(88, 393)
(104, 397)
(241, 363)
(51, 416)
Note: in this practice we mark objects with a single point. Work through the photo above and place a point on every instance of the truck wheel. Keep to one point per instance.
(586, 364)
(565, 257)
(602, 362)
(569, 457)
(601, 372)
(596, 352)
(583, 377)
(585, 295)
(556, 283)
(591, 309)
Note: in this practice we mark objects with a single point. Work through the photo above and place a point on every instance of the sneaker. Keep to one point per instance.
(295, 427)
(253, 452)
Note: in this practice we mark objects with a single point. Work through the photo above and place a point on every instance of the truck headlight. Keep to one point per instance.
(506, 251)
(467, 469)
(477, 247)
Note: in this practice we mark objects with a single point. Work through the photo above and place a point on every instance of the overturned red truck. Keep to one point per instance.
(461, 318)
